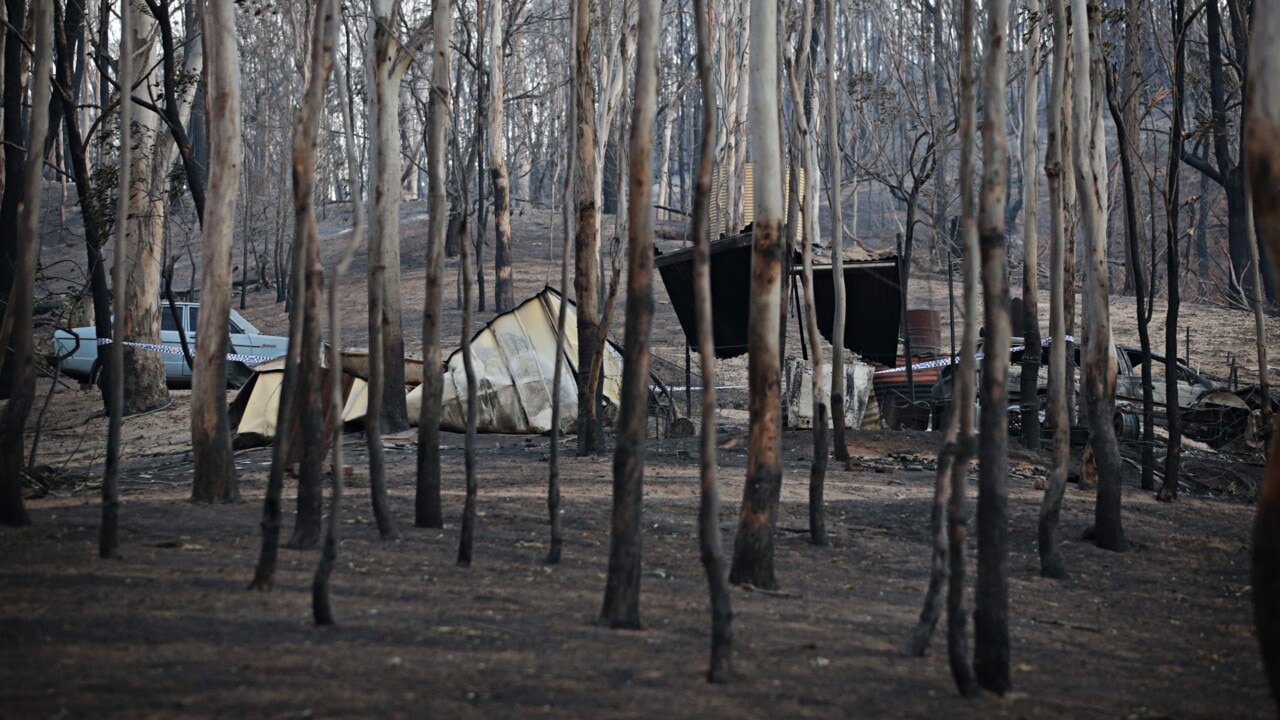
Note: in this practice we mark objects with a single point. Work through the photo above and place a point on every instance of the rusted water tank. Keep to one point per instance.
(924, 328)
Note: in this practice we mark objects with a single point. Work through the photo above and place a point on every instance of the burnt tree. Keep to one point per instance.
(622, 589)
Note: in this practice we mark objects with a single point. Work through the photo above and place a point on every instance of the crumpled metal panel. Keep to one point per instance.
(514, 360)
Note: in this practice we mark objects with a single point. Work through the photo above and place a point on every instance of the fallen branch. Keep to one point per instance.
(1072, 626)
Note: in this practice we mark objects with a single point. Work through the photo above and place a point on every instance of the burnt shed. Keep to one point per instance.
(873, 298)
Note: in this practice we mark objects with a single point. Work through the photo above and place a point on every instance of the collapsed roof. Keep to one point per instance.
(514, 360)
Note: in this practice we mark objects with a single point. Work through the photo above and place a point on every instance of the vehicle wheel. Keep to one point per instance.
(95, 373)
(1128, 426)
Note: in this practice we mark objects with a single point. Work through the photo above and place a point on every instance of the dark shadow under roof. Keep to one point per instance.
(873, 299)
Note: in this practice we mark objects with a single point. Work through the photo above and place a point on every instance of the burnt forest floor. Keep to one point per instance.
(169, 630)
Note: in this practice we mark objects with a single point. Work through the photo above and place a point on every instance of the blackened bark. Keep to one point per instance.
(468, 534)
(1169, 488)
(991, 597)
(15, 143)
(1262, 156)
(109, 530)
(1051, 564)
(13, 416)
(836, 203)
(427, 507)
(92, 211)
(306, 131)
(753, 545)
(622, 589)
(713, 562)
(310, 505)
(586, 282)
(172, 114)
(1138, 280)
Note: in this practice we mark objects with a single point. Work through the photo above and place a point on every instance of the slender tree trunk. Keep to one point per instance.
(753, 546)
(1262, 158)
(386, 69)
(1259, 318)
(1051, 564)
(109, 530)
(1134, 277)
(13, 152)
(321, 608)
(562, 321)
(622, 589)
(215, 468)
(503, 287)
(467, 539)
(306, 132)
(1029, 399)
(427, 509)
(966, 380)
(13, 416)
(835, 171)
(386, 409)
(1091, 183)
(587, 240)
(1172, 460)
(991, 596)
(373, 430)
(804, 158)
(309, 403)
(93, 210)
(713, 561)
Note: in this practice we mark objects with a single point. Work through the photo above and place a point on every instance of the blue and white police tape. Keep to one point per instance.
(168, 350)
(943, 362)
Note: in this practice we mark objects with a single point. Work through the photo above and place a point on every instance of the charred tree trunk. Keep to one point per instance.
(309, 403)
(321, 608)
(1134, 277)
(803, 203)
(1029, 399)
(1091, 183)
(622, 589)
(93, 209)
(562, 321)
(1051, 564)
(109, 530)
(713, 561)
(306, 132)
(387, 65)
(991, 596)
(1172, 459)
(586, 282)
(215, 468)
(427, 509)
(753, 546)
(949, 552)
(835, 173)
(13, 416)
(14, 155)
(1262, 157)
(503, 287)
(467, 539)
